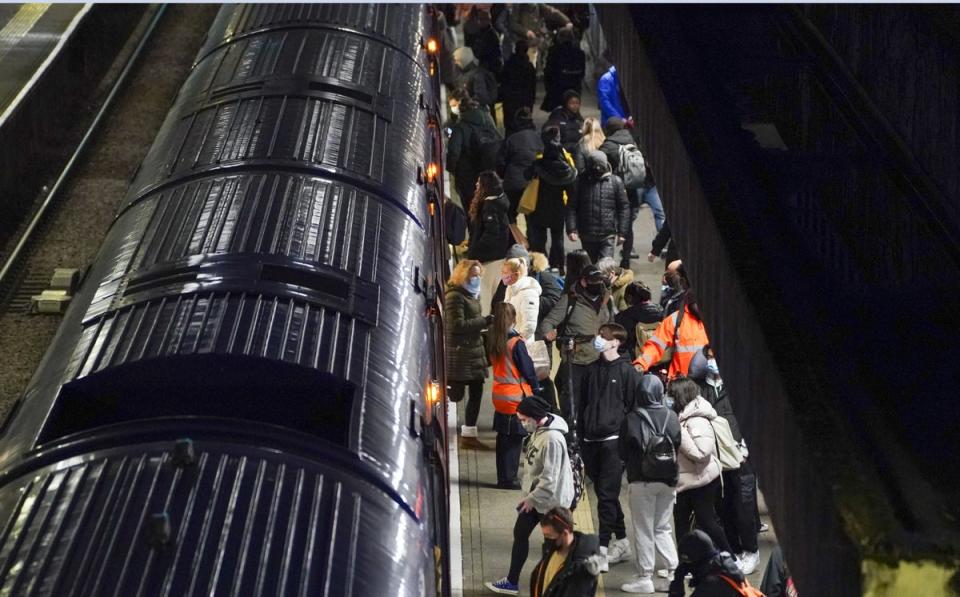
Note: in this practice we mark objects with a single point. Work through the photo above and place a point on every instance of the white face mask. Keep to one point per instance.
(599, 344)
(529, 425)
(712, 367)
(455, 110)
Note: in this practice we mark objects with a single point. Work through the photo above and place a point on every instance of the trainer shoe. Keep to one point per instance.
(764, 527)
(662, 584)
(618, 551)
(503, 587)
(604, 562)
(639, 584)
(749, 561)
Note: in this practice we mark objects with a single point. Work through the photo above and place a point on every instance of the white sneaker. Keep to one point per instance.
(640, 585)
(466, 431)
(664, 574)
(619, 551)
(604, 563)
(661, 584)
(749, 561)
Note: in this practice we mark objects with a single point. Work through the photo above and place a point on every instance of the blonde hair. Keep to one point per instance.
(517, 265)
(461, 271)
(593, 135)
(538, 262)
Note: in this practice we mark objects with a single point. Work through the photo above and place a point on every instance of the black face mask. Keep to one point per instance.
(596, 288)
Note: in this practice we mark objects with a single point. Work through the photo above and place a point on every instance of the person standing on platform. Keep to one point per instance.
(465, 353)
(591, 140)
(567, 118)
(489, 233)
(547, 482)
(515, 160)
(518, 86)
(523, 292)
(606, 389)
(640, 318)
(565, 68)
(557, 177)
(514, 379)
(472, 134)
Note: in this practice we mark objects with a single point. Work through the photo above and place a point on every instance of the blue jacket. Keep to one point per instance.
(608, 95)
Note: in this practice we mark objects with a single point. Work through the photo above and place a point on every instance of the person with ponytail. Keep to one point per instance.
(514, 378)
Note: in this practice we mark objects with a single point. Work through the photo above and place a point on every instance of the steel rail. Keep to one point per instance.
(18, 251)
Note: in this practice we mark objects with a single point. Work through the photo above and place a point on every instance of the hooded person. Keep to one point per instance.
(557, 176)
(599, 213)
(547, 482)
(567, 118)
(518, 85)
(713, 573)
(480, 83)
(649, 439)
(565, 68)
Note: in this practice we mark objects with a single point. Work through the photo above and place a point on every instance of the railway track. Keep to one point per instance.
(71, 218)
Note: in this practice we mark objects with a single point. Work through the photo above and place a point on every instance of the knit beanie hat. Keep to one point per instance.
(518, 251)
(696, 547)
(596, 161)
(534, 407)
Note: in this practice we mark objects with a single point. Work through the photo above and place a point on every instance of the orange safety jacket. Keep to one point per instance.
(509, 387)
(691, 338)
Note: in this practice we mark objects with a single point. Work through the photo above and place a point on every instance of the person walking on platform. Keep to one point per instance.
(609, 96)
(599, 213)
(547, 482)
(514, 378)
(591, 140)
(489, 233)
(606, 389)
(575, 320)
(649, 439)
(570, 563)
(474, 134)
(518, 86)
(557, 177)
(465, 353)
(565, 68)
(515, 160)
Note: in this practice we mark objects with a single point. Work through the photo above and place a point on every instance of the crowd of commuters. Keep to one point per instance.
(637, 392)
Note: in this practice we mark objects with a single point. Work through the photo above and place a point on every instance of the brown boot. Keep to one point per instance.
(472, 443)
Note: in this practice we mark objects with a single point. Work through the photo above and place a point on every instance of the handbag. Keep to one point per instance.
(528, 201)
(541, 358)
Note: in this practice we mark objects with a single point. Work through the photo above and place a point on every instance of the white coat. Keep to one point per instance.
(524, 295)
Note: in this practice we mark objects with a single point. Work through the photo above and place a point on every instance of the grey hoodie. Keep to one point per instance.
(547, 476)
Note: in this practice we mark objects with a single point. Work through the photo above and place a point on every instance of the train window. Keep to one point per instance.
(221, 386)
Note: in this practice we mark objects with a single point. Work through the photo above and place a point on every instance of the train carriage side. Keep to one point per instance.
(258, 343)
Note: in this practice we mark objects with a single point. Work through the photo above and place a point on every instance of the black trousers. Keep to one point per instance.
(537, 237)
(526, 523)
(602, 461)
(514, 198)
(701, 503)
(568, 399)
(599, 249)
(738, 507)
(627, 247)
(509, 447)
(456, 390)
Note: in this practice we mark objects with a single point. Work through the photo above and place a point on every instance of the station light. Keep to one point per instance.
(433, 394)
(432, 171)
(432, 45)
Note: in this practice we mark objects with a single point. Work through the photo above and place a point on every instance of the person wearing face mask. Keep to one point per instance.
(606, 389)
(738, 507)
(514, 378)
(547, 481)
(523, 292)
(570, 562)
(675, 283)
(576, 318)
(683, 332)
(465, 355)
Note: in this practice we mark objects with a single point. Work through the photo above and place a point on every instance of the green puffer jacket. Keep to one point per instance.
(466, 355)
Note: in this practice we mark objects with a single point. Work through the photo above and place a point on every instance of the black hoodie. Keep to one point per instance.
(635, 431)
(701, 559)
(606, 389)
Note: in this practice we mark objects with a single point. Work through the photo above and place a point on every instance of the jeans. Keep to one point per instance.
(537, 237)
(456, 391)
(600, 248)
(701, 503)
(651, 197)
(651, 505)
(602, 461)
(526, 523)
(508, 458)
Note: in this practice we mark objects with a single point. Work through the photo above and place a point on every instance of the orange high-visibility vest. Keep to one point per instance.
(691, 338)
(509, 387)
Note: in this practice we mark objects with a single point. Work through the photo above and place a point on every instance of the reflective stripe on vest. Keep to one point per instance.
(509, 387)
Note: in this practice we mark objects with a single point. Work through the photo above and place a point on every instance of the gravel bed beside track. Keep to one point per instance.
(72, 235)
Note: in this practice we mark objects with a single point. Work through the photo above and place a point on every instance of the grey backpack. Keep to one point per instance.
(633, 167)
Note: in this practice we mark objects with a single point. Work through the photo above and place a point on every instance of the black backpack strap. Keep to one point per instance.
(571, 305)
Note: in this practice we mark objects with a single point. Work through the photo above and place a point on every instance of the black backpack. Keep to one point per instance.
(659, 462)
(487, 143)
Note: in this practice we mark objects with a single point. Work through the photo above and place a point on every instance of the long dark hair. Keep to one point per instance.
(576, 261)
(684, 391)
(490, 184)
(504, 316)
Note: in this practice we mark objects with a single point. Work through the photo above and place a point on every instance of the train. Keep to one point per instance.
(246, 395)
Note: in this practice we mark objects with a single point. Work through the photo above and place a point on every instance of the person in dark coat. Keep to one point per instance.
(599, 213)
(489, 233)
(640, 310)
(516, 157)
(464, 159)
(577, 260)
(652, 494)
(566, 117)
(480, 36)
(570, 563)
(566, 65)
(663, 240)
(518, 86)
(707, 566)
(557, 176)
(479, 82)
(465, 353)
(738, 504)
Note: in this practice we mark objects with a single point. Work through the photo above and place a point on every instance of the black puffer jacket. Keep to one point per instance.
(599, 208)
(550, 293)
(463, 324)
(557, 176)
(605, 390)
(490, 235)
(516, 156)
(569, 124)
(574, 578)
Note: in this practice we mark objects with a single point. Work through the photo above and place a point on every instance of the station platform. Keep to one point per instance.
(482, 516)
(30, 37)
